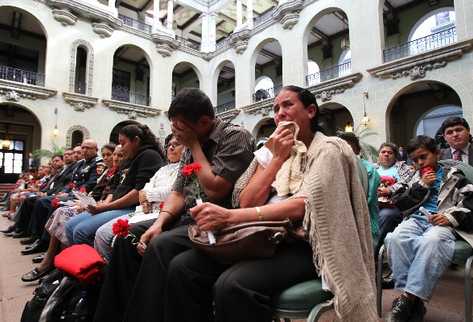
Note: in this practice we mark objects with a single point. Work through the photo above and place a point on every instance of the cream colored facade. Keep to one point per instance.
(367, 92)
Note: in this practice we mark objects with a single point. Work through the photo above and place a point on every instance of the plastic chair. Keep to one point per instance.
(303, 300)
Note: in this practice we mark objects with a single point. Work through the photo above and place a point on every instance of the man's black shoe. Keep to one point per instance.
(38, 259)
(418, 312)
(401, 309)
(8, 230)
(20, 234)
(28, 241)
(36, 247)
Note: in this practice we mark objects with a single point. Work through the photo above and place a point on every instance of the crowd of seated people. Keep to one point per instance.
(338, 221)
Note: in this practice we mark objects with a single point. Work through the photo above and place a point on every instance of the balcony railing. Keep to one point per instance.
(222, 43)
(329, 73)
(440, 39)
(224, 107)
(188, 43)
(21, 76)
(124, 94)
(264, 17)
(263, 94)
(136, 24)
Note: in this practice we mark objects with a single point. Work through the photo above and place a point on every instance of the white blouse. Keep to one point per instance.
(159, 186)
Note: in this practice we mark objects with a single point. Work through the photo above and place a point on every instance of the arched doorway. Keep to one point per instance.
(131, 75)
(328, 46)
(335, 117)
(225, 87)
(184, 75)
(419, 109)
(268, 70)
(117, 128)
(264, 129)
(20, 135)
(23, 44)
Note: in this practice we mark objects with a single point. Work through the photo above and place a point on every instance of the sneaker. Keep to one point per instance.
(418, 312)
(401, 309)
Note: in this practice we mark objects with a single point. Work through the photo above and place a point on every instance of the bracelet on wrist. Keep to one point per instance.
(259, 214)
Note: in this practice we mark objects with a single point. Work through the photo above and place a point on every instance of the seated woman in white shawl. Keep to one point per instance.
(153, 193)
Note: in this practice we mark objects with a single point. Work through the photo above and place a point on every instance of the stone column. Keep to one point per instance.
(366, 37)
(209, 32)
(111, 4)
(249, 14)
(464, 19)
(239, 14)
(156, 22)
(170, 15)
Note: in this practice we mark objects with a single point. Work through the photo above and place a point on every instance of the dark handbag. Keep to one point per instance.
(243, 241)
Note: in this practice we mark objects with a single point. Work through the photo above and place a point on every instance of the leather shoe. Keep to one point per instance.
(28, 241)
(20, 234)
(8, 230)
(34, 275)
(36, 247)
(38, 259)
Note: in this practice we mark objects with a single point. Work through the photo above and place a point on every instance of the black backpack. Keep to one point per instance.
(71, 301)
(41, 294)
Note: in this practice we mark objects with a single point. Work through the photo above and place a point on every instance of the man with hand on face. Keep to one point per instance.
(134, 283)
(456, 132)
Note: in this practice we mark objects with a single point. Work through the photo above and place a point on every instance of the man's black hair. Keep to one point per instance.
(351, 139)
(191, 104)
(454, 121)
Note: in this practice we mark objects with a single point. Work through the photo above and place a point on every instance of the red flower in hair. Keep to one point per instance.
(55, 203)
(161, 205)
(121, 228)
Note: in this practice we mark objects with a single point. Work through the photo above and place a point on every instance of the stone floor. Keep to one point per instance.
(446, 304)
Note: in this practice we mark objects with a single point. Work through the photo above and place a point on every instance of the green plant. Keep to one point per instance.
(368, 151)
(44, 153)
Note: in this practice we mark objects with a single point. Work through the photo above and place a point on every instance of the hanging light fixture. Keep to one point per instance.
(5, 143)
(365, 120)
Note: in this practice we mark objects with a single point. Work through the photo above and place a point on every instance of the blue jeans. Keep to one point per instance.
(419, 253)
(81, 228)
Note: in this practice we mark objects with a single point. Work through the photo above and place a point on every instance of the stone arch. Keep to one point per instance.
(306, 40)
(116, 129)
(194, 69)
(89, 68)
(39, 20)
(72, 129)
(426, 16)
(264, 128)
(18, 123)
(335, 117)
(216, 77)
(400, 127)
(254, 57)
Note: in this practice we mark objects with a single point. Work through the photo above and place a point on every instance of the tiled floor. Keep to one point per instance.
(446, 305)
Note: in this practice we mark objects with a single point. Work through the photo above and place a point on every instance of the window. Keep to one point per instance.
(11, 157)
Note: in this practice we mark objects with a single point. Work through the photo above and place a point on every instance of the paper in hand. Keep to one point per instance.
(85, 200)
